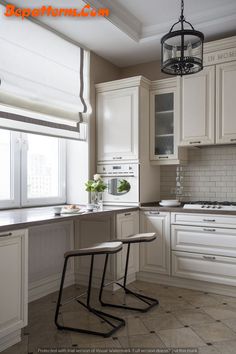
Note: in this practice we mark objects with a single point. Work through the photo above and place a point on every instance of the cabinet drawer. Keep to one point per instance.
(204, 219)
(215, 269)
(210, 240)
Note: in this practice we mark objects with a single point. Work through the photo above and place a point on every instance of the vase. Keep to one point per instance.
(97, 200)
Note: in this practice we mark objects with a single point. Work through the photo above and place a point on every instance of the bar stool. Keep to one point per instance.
(151, 302)
(105, 248)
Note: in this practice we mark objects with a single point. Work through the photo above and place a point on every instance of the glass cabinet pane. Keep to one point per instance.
(164, 124)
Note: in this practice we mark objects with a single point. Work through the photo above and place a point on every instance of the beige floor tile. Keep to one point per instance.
(214, 332)
(220, 312)
(208, 350)
(231, 323)
(192, 317)
(203, 300)
(180, 338)
(103, 343)
(228, 347)
(134, 326)
(165, 321)
(176, 306)
(144, 341)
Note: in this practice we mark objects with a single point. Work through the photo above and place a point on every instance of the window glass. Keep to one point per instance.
(43, 175)
(5, 163)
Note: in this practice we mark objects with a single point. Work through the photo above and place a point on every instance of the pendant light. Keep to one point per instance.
(182, 49)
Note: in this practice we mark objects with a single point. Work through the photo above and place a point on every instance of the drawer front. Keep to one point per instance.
(204, 219)
(214, 269)
(210, 240)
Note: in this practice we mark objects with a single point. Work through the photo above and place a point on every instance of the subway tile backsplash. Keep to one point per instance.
(210, 174)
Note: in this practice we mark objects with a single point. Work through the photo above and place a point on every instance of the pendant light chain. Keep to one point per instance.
(182, 10)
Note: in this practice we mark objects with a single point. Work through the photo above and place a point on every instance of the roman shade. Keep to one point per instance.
(44, 80)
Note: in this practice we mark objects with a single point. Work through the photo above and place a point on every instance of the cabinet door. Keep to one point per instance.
(117, 125)
(163, 124)
(13, 280)
(226, 103)
(155, 256)
(127, 224)
(197, 108)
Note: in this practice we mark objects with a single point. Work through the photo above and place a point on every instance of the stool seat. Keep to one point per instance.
(145, 237)
(100, 248)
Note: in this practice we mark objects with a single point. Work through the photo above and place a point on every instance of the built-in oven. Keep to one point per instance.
(122, 182)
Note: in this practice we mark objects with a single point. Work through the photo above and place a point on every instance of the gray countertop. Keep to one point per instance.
(26, 217)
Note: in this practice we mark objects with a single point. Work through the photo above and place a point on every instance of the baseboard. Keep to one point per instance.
(187, 283)
(10, 339)
(48, 285)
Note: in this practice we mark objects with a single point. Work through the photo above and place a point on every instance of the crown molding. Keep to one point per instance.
(123, 83)
(120, 17)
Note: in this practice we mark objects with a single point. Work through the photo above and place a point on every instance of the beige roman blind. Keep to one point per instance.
(44, 80)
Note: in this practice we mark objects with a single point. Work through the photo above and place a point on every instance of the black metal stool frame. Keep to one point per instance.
(102, 315)
(151, 302)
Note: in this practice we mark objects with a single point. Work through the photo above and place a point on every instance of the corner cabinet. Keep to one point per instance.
(117, 122)
(197, 122)
(226, 103)
(164, 123)
(155, 256)
(14, 286)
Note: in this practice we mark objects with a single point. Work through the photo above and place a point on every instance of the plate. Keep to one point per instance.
(72, 211)
(169, 204)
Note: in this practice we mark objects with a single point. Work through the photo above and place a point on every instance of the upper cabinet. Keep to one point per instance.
(197, 122)
(117, 124)
(226, 103)
(164, 122)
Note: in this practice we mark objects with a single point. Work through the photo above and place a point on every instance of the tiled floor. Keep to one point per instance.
(184, 319)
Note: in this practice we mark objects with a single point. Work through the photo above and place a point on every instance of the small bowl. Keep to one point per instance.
(57, 210)
(90, 207)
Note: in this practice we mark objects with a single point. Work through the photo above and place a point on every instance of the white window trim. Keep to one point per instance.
(14, 201)
(61, 199)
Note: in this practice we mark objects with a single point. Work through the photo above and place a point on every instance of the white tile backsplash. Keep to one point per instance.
(210, 174)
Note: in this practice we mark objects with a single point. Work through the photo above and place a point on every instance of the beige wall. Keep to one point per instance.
(101, 70)
(151, 70)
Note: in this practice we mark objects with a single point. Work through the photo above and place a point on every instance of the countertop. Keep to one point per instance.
(156, 207)
(26, 217)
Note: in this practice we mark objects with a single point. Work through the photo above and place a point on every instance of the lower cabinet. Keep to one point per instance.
(155, 256)
(127, 224)
(215, 269)
(14, 286)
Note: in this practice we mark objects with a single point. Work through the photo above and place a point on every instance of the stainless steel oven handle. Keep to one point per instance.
(102, 175)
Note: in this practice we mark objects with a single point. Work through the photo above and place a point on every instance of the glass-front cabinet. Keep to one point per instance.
(164, 121)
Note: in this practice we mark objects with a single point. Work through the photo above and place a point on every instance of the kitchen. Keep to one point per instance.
(108, 143)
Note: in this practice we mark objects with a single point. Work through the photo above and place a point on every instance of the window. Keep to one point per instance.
(32, 169)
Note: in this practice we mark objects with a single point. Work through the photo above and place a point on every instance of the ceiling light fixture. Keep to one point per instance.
(182, 49)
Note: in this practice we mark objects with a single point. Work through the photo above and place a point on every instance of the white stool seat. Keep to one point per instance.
(100, 248)
(145, 237)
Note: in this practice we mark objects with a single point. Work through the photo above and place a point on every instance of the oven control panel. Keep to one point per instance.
(118, 170)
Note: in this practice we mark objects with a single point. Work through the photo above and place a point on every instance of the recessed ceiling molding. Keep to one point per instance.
(120, 17)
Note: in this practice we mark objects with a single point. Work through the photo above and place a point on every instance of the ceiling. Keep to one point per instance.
(131, 34)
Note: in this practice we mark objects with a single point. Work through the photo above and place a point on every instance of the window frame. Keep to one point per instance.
(18, 165)
(61, 198)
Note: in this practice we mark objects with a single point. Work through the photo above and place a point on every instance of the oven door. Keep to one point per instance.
(121, 190)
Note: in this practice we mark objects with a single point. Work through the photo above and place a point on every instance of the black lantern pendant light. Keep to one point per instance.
(182, 49)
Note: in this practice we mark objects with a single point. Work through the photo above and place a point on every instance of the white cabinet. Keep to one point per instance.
(117, 124)
(127, 224)
(14, 285)
(155, 256)
(226, 103)
(164, 122)
(197, 123)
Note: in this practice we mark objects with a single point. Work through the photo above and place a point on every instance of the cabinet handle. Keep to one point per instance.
(211, 230)
(232, 139)
(127, 214)
(195, 142)
(209, 220)
(117, 158)
(163, 157)
(209, 258)
(154, 212)
(5, 235)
